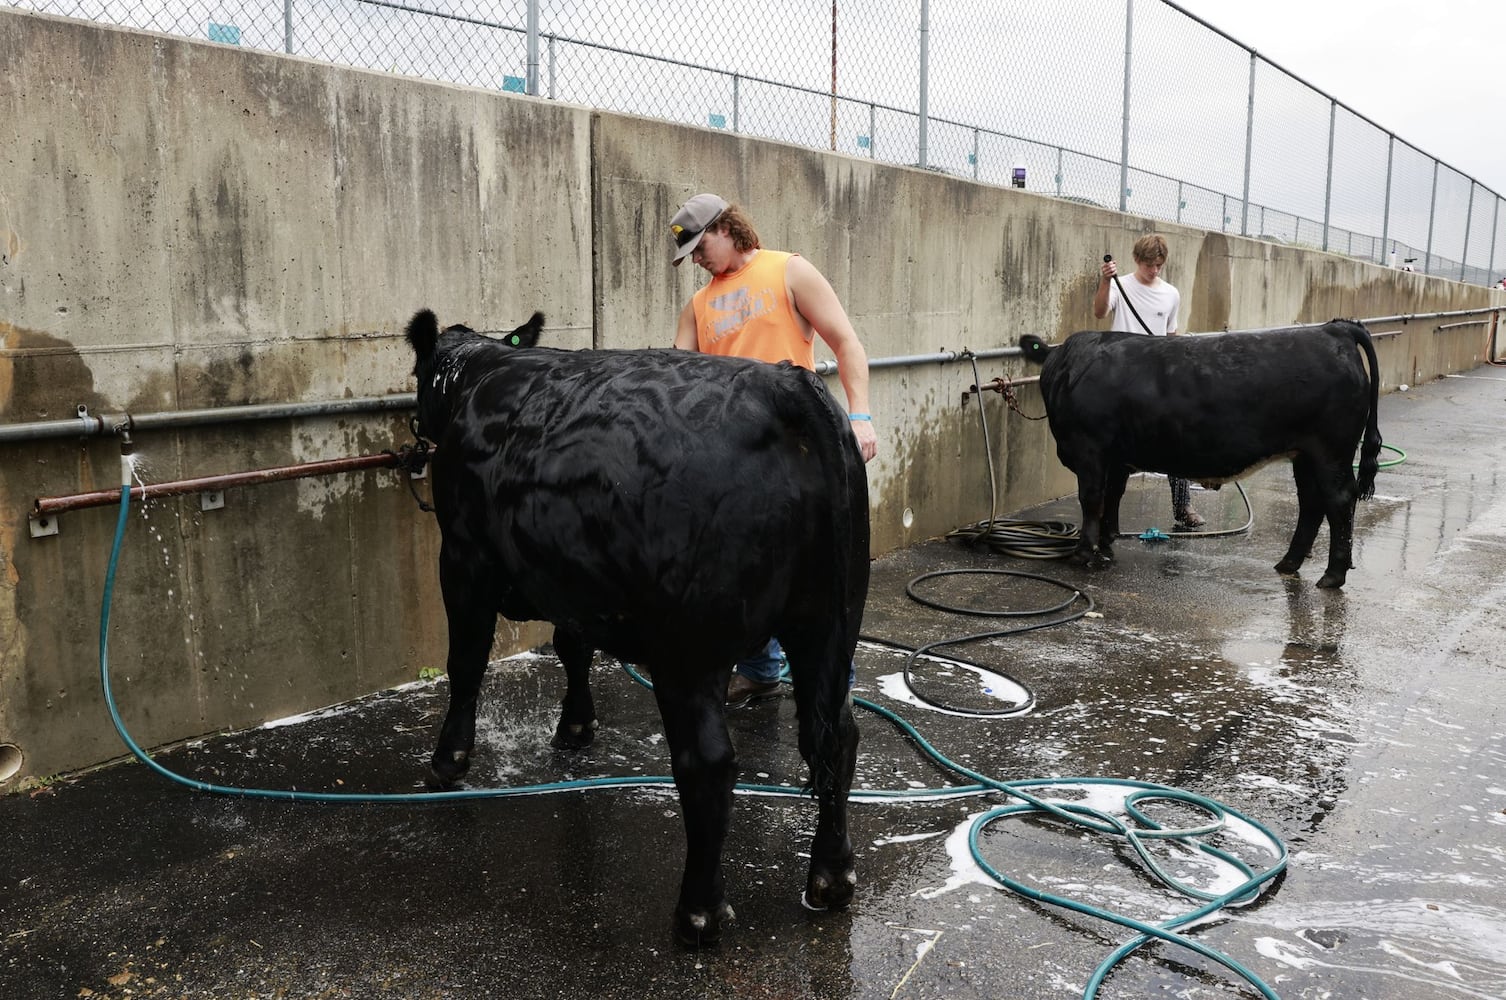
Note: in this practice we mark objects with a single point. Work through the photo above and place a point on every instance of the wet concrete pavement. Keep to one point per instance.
(1363, 726)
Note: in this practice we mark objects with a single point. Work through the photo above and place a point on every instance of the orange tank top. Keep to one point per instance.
(748, 314)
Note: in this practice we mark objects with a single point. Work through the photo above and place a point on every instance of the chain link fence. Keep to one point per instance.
(1134, 105)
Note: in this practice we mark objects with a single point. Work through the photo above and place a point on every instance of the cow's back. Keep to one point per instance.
(650, 497)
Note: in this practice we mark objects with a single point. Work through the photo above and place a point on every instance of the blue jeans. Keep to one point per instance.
(765, 667)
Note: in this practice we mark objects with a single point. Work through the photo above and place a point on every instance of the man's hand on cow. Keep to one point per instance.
(867, 438)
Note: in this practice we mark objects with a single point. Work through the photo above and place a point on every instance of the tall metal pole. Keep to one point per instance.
(925, 47)
(1386, 218)
(834, 75)
(533, 48)
(1469, 217)
(1427, 262)
(1333, 113)
(1244, 218)
(1495, 222)
(287, 26)
(1129, 32)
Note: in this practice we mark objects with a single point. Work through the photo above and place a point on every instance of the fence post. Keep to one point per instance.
(1386, 215)
(533, 48)
(737, 102)
(287, 26)
(872, 138)
(1244, 218)
(925, 47)
(1469, 217)
(1495, 221)
(1129, 31)
(1333, 113)
(1427, 260)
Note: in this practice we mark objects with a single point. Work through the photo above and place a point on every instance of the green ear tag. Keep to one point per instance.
(515, 340)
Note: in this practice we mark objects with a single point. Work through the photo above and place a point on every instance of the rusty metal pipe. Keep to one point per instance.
(46, 506)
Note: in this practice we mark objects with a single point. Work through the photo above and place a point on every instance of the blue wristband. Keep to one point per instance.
(860, 416)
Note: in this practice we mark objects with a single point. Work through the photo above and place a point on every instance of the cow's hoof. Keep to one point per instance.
(446, 770)
(1331, 581)
(573, 736)
(702, 928)
(1288, 567)
(825, 890)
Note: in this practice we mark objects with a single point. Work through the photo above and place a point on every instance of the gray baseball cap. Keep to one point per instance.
(690, 222)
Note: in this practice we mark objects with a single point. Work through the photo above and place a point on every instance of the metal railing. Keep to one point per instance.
(1066, 97)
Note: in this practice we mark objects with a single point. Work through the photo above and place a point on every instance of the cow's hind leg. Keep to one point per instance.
(1113, 494)
(577, 725)
(471, 625)
(1338, 489)
(830, 748)
(1310, 509)
(704, 767)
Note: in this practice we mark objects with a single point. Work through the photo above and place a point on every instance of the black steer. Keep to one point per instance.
(674, 510)
(1212, 408)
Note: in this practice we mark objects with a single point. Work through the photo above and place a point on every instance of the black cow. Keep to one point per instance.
(675, 510)
(1212, 408)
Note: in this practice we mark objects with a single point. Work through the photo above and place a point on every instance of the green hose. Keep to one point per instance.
(1076, 813)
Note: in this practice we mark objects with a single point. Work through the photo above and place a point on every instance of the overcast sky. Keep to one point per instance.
(1430, 71)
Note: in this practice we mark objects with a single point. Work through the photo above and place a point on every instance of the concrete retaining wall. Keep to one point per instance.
(186, 225)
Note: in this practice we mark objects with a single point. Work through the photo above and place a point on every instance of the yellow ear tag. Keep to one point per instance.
(677, 230)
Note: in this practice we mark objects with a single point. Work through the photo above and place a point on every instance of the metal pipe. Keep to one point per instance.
(940, 357)
(48, 506)
(90, 425)
(1402, 318)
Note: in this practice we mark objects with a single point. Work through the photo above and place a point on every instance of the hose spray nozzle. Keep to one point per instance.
(127, 453)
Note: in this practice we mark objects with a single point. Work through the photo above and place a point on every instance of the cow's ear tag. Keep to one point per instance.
(514, 340)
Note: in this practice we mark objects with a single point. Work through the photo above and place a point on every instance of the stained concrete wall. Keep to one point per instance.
(185, 225)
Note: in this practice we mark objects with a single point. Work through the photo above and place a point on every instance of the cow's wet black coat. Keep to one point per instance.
(1211, 408)
(674, 510)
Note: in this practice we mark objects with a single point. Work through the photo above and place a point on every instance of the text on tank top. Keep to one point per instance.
(748, 314)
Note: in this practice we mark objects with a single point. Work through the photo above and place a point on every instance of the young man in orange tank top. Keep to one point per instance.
(768, 305)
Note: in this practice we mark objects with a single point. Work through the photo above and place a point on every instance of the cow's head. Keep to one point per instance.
(1033, 348)
(439, 359)
(424, 334)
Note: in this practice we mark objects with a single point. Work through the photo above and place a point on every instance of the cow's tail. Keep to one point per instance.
(1370, 446)
(1034, 349)
(846, 485)
(423, 334)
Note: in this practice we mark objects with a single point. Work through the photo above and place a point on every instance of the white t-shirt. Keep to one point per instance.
(1157, 304)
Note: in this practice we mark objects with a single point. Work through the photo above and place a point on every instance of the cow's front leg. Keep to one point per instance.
(704, 766)
(577, 725)
(471, 626)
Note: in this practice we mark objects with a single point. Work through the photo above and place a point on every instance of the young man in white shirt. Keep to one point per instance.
(1149, 305)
